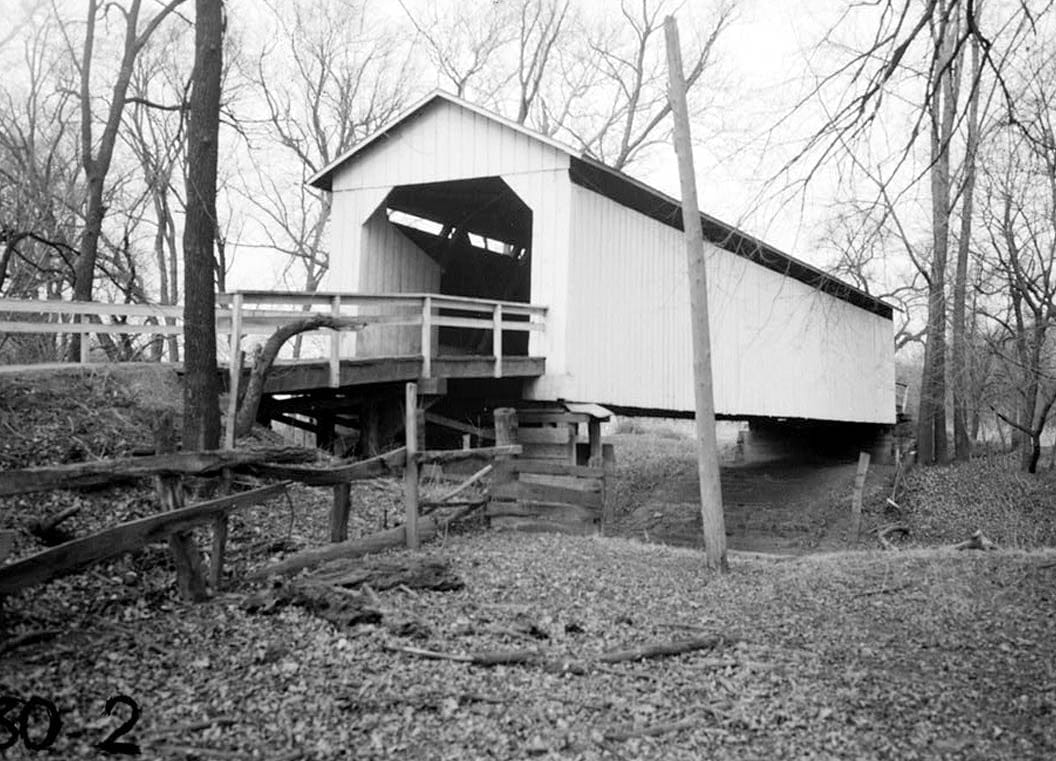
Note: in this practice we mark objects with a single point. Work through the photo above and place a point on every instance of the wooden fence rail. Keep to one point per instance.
(125, 537)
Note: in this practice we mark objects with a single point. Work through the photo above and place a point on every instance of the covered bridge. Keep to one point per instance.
(452, 199)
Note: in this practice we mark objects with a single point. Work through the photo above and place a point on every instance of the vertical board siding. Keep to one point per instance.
(447, 142)
(779, 347)
(548, 195)
(390, 263)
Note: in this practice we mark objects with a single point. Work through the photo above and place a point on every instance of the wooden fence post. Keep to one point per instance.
(339, 512)
(505, 426)
(505, 435)
(856, 499)
(410, 471)
(190, 579)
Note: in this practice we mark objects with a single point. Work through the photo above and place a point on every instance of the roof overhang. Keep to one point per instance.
(629, 192)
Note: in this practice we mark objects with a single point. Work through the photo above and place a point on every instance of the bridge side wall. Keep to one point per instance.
(779, 347)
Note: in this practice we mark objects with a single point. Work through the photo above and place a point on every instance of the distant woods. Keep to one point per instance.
(94, 129)
(940, 125)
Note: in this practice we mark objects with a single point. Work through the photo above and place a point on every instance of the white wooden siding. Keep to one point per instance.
(779, 347)
(447, 142)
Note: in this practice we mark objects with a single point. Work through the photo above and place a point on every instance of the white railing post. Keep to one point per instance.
(234, 347)
(427, 337)
(496, 339)
(85, 338)
(335, 344)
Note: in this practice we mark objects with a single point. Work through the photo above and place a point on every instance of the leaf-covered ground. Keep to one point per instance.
(925, 653)
(989, 494)
(921, 654)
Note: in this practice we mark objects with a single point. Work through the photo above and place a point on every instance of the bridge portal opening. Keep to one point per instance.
(479, 232)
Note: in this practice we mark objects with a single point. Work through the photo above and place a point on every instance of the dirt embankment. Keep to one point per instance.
(778, 507)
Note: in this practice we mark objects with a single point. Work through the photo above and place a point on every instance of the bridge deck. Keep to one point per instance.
(288, 376)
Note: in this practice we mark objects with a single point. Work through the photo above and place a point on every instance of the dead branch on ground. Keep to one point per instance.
(977, 541)
(883, 532)
(567, 665)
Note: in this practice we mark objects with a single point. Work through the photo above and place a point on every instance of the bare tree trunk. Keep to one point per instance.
(201, 419)
(962, 444)
(932, 445)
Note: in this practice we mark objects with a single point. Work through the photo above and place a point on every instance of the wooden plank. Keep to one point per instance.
(485, 323)
(125, 537)
(458, 425)
(520, 490)
(552, 416)
(7, 326)
(454, 455)
(553, 452)
(80, 474)
(560, 435)
(382, 465)
(31, 306)
(538, 525)
(552, 511)
(549, 467)
(563, 482)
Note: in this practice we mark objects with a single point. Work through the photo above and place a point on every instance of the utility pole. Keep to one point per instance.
(707, 446)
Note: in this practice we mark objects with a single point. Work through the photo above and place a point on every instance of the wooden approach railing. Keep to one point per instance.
(241, 313)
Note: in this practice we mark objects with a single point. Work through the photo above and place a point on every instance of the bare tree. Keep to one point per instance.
(616, 108)
(912, 67)
(96, 156)
(326, 85)
(154, 131)
(595, 81)
(464, 43)
(1019, 217)
(39, 184)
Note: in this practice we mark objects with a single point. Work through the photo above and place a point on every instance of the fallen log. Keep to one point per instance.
(99, 472)
(434, 575)
(354, 548)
